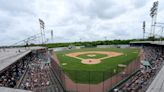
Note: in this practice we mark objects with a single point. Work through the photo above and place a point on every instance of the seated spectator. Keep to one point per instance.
(140, 81)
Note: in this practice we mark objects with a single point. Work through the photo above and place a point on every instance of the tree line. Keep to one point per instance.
(86, 44)
(92, 43)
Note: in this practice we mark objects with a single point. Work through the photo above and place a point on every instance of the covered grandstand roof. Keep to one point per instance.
(9, 56)
(158, 83)
(5, 89)
(148, 42)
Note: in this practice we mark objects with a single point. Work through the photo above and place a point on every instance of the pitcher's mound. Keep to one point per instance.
(90, 61)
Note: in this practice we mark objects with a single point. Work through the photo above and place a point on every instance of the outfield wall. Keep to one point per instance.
(113, 46)
(104, 86)
(98, 46)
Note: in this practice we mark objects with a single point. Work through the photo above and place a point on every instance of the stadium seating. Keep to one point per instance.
(142, 79)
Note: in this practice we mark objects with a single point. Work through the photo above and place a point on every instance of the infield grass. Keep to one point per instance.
(86, 56)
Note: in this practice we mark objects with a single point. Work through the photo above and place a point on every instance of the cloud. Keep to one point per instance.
(139, 3)
(17, 7)
(73, 20)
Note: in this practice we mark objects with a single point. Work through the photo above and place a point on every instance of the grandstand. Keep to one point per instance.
(149, 78)
(34, 69)
(89, 64)
(27, 69)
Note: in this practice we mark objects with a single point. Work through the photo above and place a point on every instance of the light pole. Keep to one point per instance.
(42, 27)
(105, 38)
(153, 14)
(144, 24)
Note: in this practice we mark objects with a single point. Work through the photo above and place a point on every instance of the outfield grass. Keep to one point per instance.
(82, 73)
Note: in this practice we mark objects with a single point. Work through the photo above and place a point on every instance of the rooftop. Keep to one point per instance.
(5, 89)
(9, 56)
(157, 84)
(150, 42)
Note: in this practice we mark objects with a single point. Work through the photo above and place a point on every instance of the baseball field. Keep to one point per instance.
(94, 65)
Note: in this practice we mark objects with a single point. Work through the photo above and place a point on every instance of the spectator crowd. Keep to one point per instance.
(38, 73)
(12, 76)
(143, 78)
(30, 72)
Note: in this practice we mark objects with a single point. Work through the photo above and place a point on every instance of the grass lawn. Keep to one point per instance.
(96, 73)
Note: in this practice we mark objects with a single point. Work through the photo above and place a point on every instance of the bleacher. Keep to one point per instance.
(148, 78)
(26, 59)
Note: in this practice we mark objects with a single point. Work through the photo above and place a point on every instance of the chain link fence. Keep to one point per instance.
(92, 81)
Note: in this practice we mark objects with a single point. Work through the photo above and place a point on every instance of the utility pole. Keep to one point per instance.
(161, 34)
(52, 35)
(144, 24)
(105, 38)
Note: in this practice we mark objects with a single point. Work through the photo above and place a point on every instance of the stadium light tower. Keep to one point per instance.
(80, 39)
(153, 14)
(105, 38)
(144, 25)
(52, 34)
(42, 27)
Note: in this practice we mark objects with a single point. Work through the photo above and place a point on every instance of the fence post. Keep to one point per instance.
(64, 80)
(111, 80)
(89, 79)
(76, 84)
(103, 80)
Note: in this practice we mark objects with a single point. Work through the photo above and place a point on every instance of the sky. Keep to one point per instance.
(76, 20)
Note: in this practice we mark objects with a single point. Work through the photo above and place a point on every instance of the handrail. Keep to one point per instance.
(20, 80)
(123, 81)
